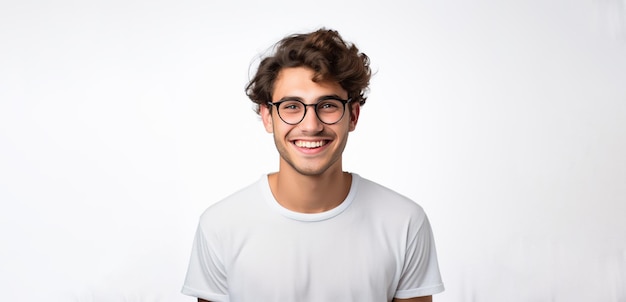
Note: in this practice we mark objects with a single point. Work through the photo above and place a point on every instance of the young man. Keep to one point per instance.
(312, 232)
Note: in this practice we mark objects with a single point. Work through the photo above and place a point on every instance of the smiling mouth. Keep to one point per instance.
(310, 144)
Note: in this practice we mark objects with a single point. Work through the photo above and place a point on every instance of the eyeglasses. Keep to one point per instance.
(329, 110)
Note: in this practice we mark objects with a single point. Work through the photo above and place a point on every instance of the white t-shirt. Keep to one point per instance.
(374, 246)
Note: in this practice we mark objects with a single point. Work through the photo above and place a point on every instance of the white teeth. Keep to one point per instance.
(307, 144)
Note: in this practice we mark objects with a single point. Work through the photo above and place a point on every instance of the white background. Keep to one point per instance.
(121, 121)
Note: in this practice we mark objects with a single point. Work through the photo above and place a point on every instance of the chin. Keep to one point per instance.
(311, 172)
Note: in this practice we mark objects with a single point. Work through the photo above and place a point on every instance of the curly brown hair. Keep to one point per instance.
(326, 53)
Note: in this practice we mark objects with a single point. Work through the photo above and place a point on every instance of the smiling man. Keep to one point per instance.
(311, 231)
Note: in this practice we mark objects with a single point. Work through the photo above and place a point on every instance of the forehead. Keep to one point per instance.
(298, 82)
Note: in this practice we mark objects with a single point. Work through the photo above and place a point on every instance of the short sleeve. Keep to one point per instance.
(420, 274)
(206, 277)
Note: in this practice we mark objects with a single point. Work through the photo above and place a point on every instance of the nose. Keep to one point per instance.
(310, 122)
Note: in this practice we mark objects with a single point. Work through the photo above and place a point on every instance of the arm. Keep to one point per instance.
(420, 274)
(416, 299)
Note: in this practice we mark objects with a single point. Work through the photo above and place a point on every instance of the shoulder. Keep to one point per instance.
(384, 196)
(381, 200)
(235, 207)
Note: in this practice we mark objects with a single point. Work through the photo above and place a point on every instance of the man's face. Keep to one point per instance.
(310, 147)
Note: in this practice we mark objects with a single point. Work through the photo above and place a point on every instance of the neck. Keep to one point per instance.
(310, 194)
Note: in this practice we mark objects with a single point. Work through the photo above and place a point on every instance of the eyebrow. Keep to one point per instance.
(319, 99)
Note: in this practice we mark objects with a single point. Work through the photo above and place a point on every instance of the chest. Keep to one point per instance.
(315, 262)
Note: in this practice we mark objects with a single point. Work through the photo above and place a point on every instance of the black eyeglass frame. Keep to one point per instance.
(344, 102)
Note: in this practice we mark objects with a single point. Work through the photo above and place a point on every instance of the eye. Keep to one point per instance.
(291, 106)
(329, 105)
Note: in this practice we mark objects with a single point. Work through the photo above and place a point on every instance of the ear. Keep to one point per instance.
(355, 110)
(266, 115)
